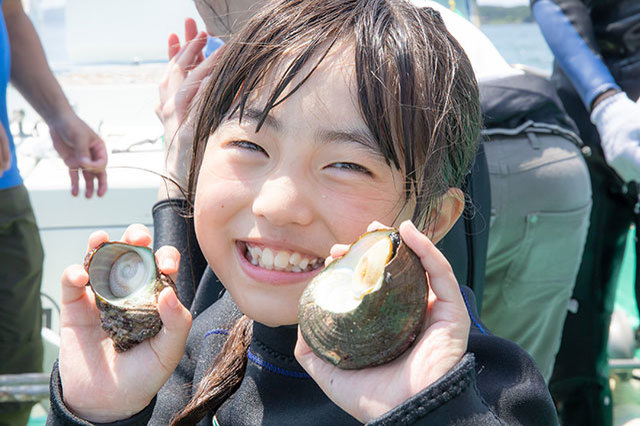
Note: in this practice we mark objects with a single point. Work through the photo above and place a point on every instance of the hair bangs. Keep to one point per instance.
(415, 86)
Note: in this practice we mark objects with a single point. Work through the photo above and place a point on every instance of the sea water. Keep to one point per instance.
(521, 44)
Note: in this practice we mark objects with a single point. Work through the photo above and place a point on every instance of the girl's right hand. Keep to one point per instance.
(98, 383)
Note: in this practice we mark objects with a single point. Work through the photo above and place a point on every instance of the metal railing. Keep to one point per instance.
(26, 387)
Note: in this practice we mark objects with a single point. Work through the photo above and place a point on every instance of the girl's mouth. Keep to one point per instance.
(280, 260)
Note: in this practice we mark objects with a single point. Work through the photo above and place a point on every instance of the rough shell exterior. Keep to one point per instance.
(381, 328)
(130, 325)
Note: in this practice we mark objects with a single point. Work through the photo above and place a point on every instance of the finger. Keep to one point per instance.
(82, 148)
(97, 238)
(97, 164)
(73, 174)
(181, 64)
(195, 80)
(88, 183)
(176, 322)
(193, 49)
(190, 29)
(74, 279)
(338, 250)
(137, 234)
(97, 154)
(190, 32)
(168, 258)
(173, 45)
(375, 225)
(442, 280)
(202, 71)
(102, 183)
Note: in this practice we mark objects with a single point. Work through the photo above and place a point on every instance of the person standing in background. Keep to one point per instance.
(596, 44)
(22, 60)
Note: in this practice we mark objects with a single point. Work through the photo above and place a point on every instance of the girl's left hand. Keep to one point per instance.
(369, 393)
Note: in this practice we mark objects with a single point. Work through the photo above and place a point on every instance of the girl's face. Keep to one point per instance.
(269, 205)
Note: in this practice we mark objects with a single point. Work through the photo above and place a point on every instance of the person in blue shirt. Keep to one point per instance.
(597, 74)
(22, 61)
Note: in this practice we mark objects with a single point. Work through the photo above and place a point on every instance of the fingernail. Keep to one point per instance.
(408, 223)
(173, 300)
(168, 264)
(75, 275)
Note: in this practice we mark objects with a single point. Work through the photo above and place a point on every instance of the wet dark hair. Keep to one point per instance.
(415, 86)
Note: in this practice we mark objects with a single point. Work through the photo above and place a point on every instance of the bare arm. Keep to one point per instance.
(79, 146)
(30, 73)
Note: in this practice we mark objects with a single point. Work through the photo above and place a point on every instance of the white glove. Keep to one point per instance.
(618, 121)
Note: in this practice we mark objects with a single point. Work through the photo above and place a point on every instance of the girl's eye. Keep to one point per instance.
(247, 145)
(352, 167)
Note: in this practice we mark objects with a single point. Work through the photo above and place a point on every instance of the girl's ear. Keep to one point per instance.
(451, 207)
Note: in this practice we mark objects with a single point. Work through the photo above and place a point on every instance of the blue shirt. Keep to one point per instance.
(11, 177)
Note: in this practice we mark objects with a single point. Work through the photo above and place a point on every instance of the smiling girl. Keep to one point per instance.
(319, 117)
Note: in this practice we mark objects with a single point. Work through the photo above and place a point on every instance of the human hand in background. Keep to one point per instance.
(618, 121)
(81, 149)
(98, 383)
(371, 392)
(184, 77)
(5, 153)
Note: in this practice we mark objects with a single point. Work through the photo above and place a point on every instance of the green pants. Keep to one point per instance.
(21, 258)
(540, 204)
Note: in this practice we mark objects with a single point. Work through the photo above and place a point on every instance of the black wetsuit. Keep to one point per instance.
(495, 383)
(609, 30)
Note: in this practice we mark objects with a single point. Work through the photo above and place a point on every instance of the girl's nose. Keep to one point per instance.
(282, 201)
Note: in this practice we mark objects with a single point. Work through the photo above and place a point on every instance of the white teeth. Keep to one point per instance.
(304, 263)
(295, 258)
(266, 260)
(282, 260)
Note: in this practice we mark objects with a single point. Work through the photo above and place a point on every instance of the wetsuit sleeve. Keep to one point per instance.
(173, 225)
(171, 398)
(567, 28)
(59, 414)
(495, 383)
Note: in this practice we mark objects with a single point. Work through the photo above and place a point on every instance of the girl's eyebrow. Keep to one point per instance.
(254, 115)
(359, 136)
(362, 137)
